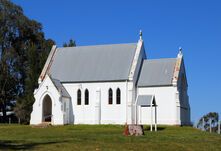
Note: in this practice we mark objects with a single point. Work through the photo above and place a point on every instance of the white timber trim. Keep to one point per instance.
(135, 60)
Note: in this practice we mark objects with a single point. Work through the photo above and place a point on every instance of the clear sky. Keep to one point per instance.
(167, 24)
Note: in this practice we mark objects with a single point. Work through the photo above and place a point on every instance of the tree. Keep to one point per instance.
(23, 51)
(70, 44)
(204, 122)
(35, 64)
(9, 74)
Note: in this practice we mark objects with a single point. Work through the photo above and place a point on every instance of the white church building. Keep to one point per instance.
(111, 84)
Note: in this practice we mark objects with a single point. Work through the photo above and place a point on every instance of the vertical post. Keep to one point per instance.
(151, 126)
(203, 128)
(155, 117)
(210, 127)
(135, 111)
(140, 114)
(135, 108)
(97, 119)
(9, 120)
(219, 122)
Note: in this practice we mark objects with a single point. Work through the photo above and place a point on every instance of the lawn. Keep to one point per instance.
(105, 137)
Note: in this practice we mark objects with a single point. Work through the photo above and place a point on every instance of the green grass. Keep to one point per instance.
(105, 137)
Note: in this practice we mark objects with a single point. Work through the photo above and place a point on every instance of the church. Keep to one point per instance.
(111, 84)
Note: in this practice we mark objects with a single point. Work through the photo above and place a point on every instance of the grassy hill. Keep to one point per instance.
(105, 137)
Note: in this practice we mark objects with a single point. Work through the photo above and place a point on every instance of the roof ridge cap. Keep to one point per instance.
(158, 59)
(99, 45)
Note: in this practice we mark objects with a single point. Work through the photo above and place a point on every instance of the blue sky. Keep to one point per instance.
(193, 24)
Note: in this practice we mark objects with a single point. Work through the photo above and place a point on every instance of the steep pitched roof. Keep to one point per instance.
(157, 72)
(93, 63)
(60, 88)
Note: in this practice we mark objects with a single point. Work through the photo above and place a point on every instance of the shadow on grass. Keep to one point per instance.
(17, 145)
(147, 128)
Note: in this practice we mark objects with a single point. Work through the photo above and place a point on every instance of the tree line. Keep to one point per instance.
(23, 52)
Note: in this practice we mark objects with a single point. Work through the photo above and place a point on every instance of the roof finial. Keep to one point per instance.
(180, 49)
(141, 34)
(180, 54)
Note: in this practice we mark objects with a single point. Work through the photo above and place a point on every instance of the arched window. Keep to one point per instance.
(79, 97)
(86, 95)
(110, 96)
(118, 96)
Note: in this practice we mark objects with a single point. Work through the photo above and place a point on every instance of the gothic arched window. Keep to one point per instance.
(110, 96)
(86, 95)
(118, 96)
(79, 97)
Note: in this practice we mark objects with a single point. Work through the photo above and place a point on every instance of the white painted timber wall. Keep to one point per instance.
(98, 111)
(47, 88)
(166, 106)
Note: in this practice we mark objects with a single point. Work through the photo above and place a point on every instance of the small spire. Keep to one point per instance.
(180, 54)
(180, 49)
(141, 34)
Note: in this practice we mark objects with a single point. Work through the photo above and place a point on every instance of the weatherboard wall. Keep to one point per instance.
(165, 97)
(47, 88)
(88, 114)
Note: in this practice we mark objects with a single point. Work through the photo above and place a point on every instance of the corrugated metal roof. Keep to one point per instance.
(93, 63)
(145, 100)
(157, 72)
(60, 88)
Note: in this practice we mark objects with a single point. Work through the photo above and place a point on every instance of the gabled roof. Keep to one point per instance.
(60, 88)
(157, 72)
(93, 63)
(146, 100)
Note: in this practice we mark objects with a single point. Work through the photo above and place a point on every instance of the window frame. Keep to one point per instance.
(110, 96)
(118, 96)
(78, 97)
(86, 97)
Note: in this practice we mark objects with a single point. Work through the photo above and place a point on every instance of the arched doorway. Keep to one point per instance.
(47, 109)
